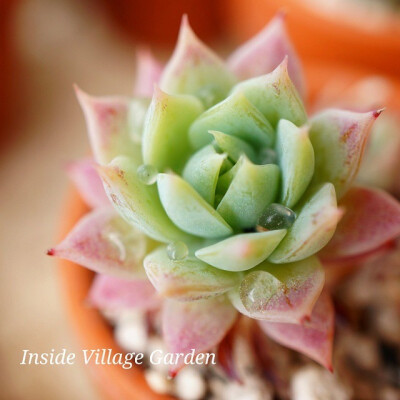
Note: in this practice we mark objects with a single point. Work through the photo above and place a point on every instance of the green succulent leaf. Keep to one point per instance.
(280, 293)
(136, 202)
(275, 96)
(226, 178)
(241, 252)
(234, 116)
(165, 136)
(202, 172)
(339, 139)
(233, 146)
(296, 159)
(194, 69)
(188, 210)
(187, 279)
(226, 166)
(251, 190)
(317, 217)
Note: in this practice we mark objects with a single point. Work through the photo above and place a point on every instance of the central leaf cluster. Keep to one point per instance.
(223, 169)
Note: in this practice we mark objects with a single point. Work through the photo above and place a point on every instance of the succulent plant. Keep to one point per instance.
(224, 196)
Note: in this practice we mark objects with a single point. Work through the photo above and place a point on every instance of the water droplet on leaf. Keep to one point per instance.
(277, 216)
(147, 174)
(257, 289)
(116, 240)
(177, 251)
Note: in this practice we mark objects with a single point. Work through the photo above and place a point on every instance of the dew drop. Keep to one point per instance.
(267, 156)
(277, 216)
(177, 251)
(257, 290)
(116, 240)
(147, 174)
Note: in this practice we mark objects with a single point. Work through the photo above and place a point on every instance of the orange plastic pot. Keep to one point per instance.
(361, 38)
(92, 330)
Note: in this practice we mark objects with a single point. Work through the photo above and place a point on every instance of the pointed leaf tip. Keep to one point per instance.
(110, 125)
(339, 138)
(296, 159)
(103, 242)
(165, 141)
(275, 95)
(371, 219)
(234, 116)
(377, 113)
(148, 73)
(195, 69)
(314, 338)
(265, 51)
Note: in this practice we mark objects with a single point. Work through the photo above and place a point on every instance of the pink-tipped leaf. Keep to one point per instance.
(195, 69)
(112, 293)
(372, 218)
(114, 125)
(339, 138)
(314, 337)
(137, 202)
(198, 325)
(148, 73)
(103, 242)
(86, 179)
(280, 293)
(265, 51)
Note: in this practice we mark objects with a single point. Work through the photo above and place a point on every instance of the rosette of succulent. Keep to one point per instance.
(225, 197)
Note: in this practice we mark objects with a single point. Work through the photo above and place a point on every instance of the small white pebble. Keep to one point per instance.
(250, 390)
(364, 351)
(131, 332)
(315, 383)
(158, 381)
(155, 343)
(131, 315)
(111, 315)
(190, 384)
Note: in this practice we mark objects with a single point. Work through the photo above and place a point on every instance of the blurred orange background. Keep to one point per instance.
(48, 45)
